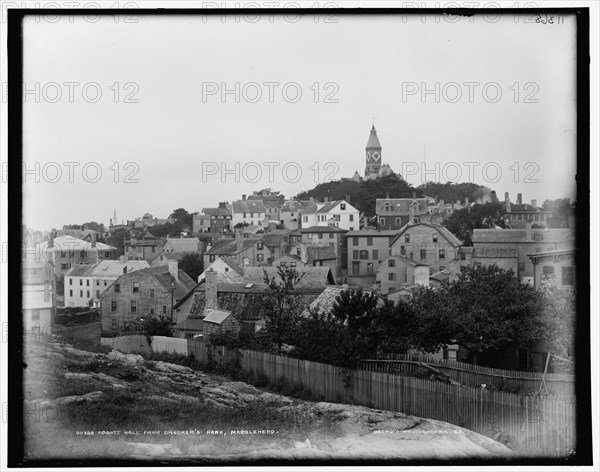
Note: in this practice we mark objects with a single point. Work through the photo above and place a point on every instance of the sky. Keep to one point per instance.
(186, 111)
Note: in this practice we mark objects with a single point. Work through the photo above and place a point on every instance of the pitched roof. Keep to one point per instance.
(329, 206)
(324, 302)
(248, 206)
(112, 268)
(81, 270)
(323, 229)
(184, 244)
(519, 235)
(228, 246)
(373, 232)
(373, 141)
(442, 230)
(189, 324)
(319, 253)
(275, 238)
(163, 276)
(213, 315)
(217, 211)
(245, 302)
(399, 206)
(311, 277)
(70, 243)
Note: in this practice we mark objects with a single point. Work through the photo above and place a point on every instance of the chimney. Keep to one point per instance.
(82, 227)
(466, 201)
(348, 198)
(519, 198)
(507, 202)
(442, 202)
(110, 224)
(239, 240)
(223, 205)
(421, 275)
(325, 199)
(174, 268)
(46, 291)
(210, 290)
(244, 197)
(534, 203)
(312, 199)
(411, 213)
(493, 196)
(93, 240)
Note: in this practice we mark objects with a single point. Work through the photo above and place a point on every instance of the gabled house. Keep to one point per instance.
(84, 284)
(200, 223)
(339, 214)
(433, 245)
(367, 249)
(559, 263)
(219, 321)
(67, 251)
(228, 271)
(220, 218)
(145, 247)
(248, 211)
(310, 277)
(395, 213)
(146, 292)
(244, 251)
(272, 204)
(182, 245)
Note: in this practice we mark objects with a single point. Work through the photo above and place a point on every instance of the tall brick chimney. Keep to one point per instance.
(507, 202)
(210, 289)
(174, 268)
(93, 240)
(519, 198)
(239, 240)
(411, 213)
(534, 203)
(243, 197)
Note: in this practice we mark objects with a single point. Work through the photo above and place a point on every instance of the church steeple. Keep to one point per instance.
(373, 154)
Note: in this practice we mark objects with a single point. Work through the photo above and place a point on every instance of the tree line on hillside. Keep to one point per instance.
(486, 310)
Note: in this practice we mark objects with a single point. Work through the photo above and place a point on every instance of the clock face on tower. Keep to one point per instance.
(376, 156)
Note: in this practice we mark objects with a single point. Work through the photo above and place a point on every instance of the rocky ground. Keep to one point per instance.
(99, 405)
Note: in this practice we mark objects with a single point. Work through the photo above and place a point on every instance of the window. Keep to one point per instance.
(113, 305)
(70, 281)
(97, 293)
(151, 293)
(292, 265)
(251, 214)
(402, 251)
(521, 267)
(211, 258)
(375, 254)
(407, 238)
(87, 282)
(342, 206)
(435, 238)
(442, 267)
(70, 293)
(153, 249)
(538, 237)
(355, 240)
(88, 294)
(81, 294)
(82, 254)
(442, 254)
(117, 288)
(391, 276)
(133, 308)
(164, 309)
(416, 220)
(244, 215)
(320, 235)
(382, 221)
(81, 282)
(567, 275)
(549, 270)
(370, 267)
(463, 255)
(105, 283)
(310, 235)
(355, 254)
(260, 246)
(136, 287)
(97, 283)
(398, 221)
(151, 309)
(331, 235)
(423, 254)
(260, 257)
(386, 207)
(392, 263)
(113, 323)
(364, 254)
(369, 240)
(351, 217)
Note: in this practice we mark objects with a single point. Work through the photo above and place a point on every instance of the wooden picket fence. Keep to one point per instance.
(475, 375)
(537, 425)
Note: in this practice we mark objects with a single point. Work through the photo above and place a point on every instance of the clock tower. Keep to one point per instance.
(373, 156)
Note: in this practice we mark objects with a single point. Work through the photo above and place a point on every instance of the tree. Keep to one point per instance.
(561, 209)
(192, 264)
(281, 307)
(487, 310)
(461, 223)
(94, 226)
(149, 326)
(559, 320)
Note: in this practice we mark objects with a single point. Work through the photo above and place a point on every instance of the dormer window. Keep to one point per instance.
(407, 238)
(342, 206)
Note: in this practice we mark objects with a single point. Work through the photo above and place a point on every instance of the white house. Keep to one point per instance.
(88, 282)
(338, 213)
(252, 212)
(227, 271)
